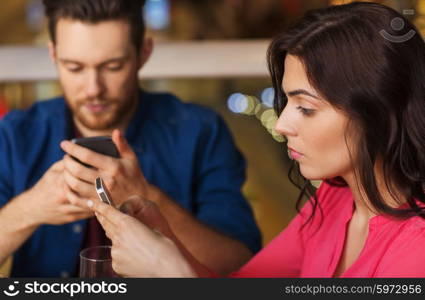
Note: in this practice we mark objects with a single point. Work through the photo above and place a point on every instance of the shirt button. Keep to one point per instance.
(64, 274)
(77, 228)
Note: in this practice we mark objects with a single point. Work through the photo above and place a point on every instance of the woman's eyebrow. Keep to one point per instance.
(301, 92)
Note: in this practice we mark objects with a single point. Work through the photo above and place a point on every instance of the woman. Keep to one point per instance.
(350, 92)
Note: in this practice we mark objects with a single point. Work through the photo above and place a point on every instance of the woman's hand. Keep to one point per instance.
(147, 249)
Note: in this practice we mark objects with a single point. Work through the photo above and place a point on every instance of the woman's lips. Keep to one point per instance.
(294, 154)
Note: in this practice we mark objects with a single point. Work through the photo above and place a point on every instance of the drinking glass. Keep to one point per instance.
(96, 262)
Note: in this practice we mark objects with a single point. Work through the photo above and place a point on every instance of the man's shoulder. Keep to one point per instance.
(168, 106)
(37, 112)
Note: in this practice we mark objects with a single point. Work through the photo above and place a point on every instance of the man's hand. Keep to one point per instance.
(122, 176)
(45, 203)
(48, 200)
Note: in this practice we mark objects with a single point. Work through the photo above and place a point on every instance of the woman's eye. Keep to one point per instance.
(305, 111)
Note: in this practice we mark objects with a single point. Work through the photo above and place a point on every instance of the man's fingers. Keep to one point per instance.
(78, 170)
(75, 199)
(76, 210)
(147, 212)
(85, 155)
(80, 216)
(122, 145)
(57, 166)
(127, 208)
(132, 205)
(82, 188)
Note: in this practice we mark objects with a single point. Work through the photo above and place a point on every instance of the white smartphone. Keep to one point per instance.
(102, 191)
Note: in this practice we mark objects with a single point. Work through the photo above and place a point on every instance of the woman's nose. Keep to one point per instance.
(284, 126)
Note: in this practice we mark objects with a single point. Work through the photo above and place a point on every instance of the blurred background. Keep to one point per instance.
(210, 52)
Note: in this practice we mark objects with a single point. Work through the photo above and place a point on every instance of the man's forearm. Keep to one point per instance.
(213, 249)
(15, 226)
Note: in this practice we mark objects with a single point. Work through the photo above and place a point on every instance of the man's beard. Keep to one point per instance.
(118, 111)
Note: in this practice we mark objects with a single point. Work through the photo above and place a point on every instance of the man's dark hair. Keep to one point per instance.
(94, 11)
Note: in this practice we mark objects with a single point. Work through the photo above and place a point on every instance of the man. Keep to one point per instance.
(180, 156)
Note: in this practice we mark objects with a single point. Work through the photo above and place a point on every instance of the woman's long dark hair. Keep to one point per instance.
(363, 59)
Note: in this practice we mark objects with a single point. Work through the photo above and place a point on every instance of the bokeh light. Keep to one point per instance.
(157, 14)
(267, 97)
(240, 103)
(237, 103)
(252, 102)
(35, 15)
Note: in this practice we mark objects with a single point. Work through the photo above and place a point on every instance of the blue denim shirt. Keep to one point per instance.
(184, 149)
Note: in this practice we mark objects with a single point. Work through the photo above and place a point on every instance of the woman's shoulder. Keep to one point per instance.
(412, 223)
(404, 243)
(417, 224)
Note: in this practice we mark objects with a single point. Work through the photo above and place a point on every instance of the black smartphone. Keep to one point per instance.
(100, 144)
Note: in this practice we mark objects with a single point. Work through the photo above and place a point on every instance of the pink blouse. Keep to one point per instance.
(393, 248)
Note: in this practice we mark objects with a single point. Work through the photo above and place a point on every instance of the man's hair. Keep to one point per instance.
(95, 11)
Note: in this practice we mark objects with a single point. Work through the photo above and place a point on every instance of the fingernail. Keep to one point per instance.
(90, 203)
(64, 144)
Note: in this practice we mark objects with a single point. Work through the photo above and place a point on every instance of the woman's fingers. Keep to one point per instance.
(114, 221)
(107, 211)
